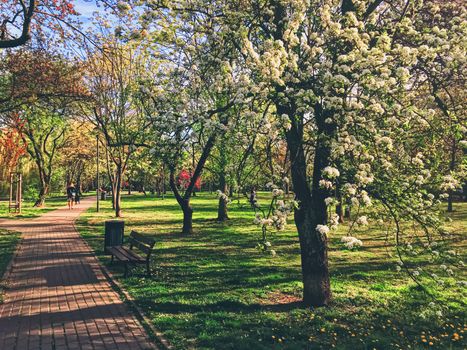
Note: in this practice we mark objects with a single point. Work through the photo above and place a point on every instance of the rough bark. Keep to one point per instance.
(43, 192)
(222, 213)
(118, 191)
(184, 203)
(187, 218)
(312, 209)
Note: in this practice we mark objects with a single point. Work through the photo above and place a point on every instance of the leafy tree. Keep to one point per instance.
(338, 74)
(78, 153)
(20, 19)
(441, 85)
(44, 132)
(39, 91)
(112, 77)
(11, 149)
(192, 99)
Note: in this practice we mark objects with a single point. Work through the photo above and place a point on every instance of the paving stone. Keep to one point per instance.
(57, 296)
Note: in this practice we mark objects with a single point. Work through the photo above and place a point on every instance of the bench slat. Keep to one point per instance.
(117, 253)
(142, 238)
(127, 255)
(142, 247)
(130, 255)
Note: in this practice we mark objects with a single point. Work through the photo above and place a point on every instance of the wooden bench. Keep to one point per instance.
(128, 256)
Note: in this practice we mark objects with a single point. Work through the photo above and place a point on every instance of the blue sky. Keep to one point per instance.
(86, 8)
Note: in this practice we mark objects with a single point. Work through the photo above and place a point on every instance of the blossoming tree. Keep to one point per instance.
(339, 75)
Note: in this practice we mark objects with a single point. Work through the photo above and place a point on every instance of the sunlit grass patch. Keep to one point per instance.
(29, 211)
(214, 290)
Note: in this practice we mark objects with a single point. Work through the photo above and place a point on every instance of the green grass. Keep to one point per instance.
(8, 242)
(29, 211)
(214, 290)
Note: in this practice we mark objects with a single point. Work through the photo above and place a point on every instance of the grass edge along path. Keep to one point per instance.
(9, 245)
(29, 211)
(213, 290)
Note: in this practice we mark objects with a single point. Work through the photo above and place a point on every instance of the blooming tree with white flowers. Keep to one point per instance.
(273, 218)
(343, 78)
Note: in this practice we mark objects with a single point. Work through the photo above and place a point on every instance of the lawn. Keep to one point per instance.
(29, 211)
(8, 242)
(214, 290)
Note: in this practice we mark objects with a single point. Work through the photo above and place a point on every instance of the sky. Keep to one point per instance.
(86, 8)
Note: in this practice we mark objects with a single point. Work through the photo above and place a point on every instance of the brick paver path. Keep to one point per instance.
(57, 296)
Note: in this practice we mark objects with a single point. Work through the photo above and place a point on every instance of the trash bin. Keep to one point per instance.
(103, 195)
(113, 233)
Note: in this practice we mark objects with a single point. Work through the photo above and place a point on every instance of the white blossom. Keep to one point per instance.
(330, 172)
(323, 229)
(362, 221)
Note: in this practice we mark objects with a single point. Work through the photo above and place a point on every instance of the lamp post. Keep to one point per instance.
(97, 165)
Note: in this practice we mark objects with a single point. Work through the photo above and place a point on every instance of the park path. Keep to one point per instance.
(57, 296)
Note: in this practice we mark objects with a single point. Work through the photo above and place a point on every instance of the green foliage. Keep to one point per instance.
(214, 290)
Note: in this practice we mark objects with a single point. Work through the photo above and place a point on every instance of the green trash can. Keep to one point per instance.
(113, 233)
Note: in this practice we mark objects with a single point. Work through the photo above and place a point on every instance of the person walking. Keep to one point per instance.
(77, 196)
(70, 194)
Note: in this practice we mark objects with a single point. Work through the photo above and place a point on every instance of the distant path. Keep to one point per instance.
(57, 296)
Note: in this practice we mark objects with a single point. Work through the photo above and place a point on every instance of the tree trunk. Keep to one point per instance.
(450, 200)
(43, 191)
(118, 191)
(347, 212)
(340, 207)
(44, 184)
(222, 214)
(114, 193)
(187, 218)
(311, 211)
(184, 203)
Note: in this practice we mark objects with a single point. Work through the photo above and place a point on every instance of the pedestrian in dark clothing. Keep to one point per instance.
(70, 195)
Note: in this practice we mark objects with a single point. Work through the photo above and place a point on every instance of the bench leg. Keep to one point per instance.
(126, 270)
(112, 260)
